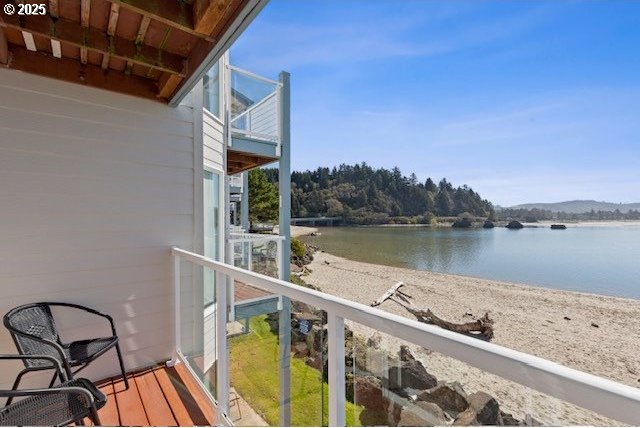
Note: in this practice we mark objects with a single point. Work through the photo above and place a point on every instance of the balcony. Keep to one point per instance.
(256, 113)
(158, 396)
(318, 359)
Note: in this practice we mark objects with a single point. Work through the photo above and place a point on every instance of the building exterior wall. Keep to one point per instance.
(95, 188)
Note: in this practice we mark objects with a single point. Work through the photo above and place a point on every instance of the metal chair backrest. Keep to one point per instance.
(33, 320)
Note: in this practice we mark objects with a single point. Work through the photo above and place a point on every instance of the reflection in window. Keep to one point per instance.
(212, 90)
(211, 230)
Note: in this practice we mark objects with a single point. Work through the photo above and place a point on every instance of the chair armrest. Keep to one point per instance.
(4, 393)
(56, 363)
(85, 309)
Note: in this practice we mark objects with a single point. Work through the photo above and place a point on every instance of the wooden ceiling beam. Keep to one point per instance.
(54, 11)
(207, 14)
(112, 24)
(85, 15)
(167, 85)
(113, 19)
(204, 46)
(71, 70)
(142, 30)
(4, 48)
(174, 13)
(92, 39)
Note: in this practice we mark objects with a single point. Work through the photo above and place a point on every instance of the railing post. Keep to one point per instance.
(177, 315)
(279, 256)
(222, 365)
(284, 190)
(337, 391)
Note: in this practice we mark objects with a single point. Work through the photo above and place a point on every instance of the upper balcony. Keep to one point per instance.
(256, 112)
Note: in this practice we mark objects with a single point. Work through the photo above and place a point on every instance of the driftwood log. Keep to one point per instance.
(482, 328)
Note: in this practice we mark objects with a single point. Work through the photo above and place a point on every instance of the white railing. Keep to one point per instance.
(604, 396)
(236, 180)
(255, 106)
(257, 252)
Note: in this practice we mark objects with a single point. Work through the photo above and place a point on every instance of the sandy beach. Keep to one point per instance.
(528, 319)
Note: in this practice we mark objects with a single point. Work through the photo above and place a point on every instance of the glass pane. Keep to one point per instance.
(256, 365)
(197, 323)
(212, 90)
(211, 229)
(393, 382)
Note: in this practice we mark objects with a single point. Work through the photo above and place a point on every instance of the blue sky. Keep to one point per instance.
(525, 101)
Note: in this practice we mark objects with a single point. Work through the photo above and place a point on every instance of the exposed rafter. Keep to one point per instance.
(71, 70)
(4, 48)
(95, 40)
(53, 8)
(175, 13)
(85, 16)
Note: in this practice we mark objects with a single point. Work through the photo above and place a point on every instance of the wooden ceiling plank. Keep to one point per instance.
(92, 39)
(70, 70)
(105, 61)
(142, 30)
(54, 10)
(167, 85)
(113, 19)
(85, 12)
(28, 41)
(174, 13)
(4, 48)
(85, 15)
(207, 14)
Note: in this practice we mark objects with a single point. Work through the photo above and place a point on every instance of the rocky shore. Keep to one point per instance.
(592, 333)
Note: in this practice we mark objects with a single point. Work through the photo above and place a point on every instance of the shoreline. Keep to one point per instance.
(527, 318)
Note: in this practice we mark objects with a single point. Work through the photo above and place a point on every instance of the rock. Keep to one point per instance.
(375, 340)
(368, 392)
(595, 325)
(463, 223)
(509, 421)
(422, 414)
(316, 339)
(410, 374)
(300, 350)
(567, 318)
(558, 227)
(483, 410)
(488, 224)
(450, 397)
(514, 225)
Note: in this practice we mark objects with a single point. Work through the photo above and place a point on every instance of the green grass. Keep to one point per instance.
(254, 374)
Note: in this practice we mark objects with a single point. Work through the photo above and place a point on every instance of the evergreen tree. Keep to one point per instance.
(263, 198)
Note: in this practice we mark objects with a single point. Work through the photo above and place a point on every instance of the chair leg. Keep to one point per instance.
(94, 416)
(16, 383)
(124, 373)
(53, 380)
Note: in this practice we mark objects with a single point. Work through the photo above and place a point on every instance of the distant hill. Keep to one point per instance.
(579, 207)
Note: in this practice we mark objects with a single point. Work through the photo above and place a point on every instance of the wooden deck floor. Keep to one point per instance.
(158, 396)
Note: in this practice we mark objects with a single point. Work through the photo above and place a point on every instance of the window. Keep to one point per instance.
(211, 230)
(212, 90)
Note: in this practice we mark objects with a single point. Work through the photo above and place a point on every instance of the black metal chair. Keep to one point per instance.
(69, 402)
(34, 332)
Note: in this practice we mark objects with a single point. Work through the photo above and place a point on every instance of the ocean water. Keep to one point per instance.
(594, 259)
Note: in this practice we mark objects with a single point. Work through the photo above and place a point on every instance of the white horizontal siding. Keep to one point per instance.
(210, 356)
(213, 142)
(264, 119)
(95, 187)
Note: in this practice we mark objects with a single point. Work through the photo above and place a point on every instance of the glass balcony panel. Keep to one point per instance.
(393, 382)
(197, 322)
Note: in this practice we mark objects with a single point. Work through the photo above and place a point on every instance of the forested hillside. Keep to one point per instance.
(365, 195)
